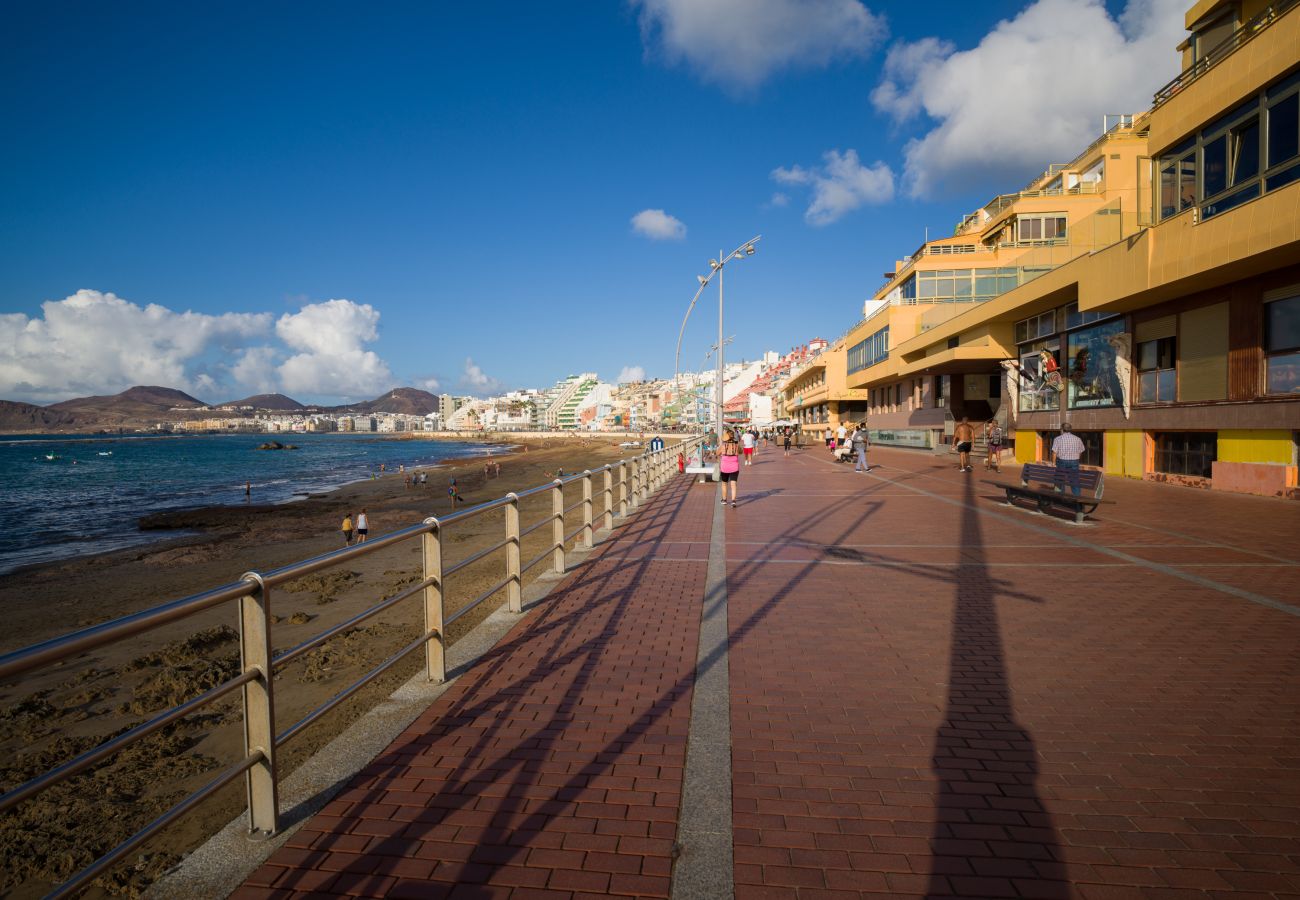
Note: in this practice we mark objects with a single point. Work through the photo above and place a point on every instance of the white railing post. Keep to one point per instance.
(622, 488)
(609, 499)
(588, 535)
(557, 526)
(259, 708)
(435, 650)
(636, 482)
(514, 590)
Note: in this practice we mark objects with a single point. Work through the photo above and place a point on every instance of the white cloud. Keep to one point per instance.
(631, 373)
(476, 381)
(432, 385)
(332, 360)
(739, 43)
(98, 343)
(840, 186)
(658, 225)
(254, 370)
(779, 199)
(1032, 92)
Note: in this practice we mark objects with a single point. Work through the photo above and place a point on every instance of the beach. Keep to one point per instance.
(58, 712)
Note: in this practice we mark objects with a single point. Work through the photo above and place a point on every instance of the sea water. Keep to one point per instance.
(90, 495)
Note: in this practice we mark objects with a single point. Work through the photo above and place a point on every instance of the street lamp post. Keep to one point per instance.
(715, 268)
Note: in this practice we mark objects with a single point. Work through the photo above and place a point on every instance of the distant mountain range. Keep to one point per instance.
(143, 406)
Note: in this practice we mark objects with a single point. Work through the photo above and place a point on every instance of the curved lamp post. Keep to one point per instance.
(715, 268)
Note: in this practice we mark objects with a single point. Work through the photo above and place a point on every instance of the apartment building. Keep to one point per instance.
(1168, 332)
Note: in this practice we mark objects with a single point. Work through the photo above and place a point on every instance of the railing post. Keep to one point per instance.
(588, 536)
(609, 499)
(259, 708)
(435, 650)
(514, 592)
(636, 482)
(622, 488)
(557, 526)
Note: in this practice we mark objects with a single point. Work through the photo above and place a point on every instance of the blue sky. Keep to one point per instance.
(333, 199)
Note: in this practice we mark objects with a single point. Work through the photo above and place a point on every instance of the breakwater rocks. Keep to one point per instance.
(276, 445)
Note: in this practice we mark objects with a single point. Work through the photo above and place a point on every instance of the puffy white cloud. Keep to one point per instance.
(98, 343)
(631, 373)
(658, 225)
(779, 199)
(476, 381)
(432, 385)
(840, 186)
(331, 337)
(739, 43)
(1032, 92)
(254, 370)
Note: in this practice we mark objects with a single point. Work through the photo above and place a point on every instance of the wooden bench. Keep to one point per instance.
(1057, 489)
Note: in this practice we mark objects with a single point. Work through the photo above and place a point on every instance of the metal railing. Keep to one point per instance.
(1229, 46)
(636, 480)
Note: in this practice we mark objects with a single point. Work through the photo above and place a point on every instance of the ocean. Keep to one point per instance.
(88, 497)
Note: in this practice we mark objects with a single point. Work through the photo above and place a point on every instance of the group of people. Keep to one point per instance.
(963, 440)
(358, 527)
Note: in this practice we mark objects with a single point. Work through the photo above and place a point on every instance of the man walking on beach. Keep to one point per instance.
(1066, 452)
(963, 437)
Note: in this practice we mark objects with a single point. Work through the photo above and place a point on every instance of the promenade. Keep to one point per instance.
(884, 684)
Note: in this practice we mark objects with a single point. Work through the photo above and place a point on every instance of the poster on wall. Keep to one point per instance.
(1091, 375)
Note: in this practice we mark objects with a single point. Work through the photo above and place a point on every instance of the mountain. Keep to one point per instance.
(409, 401)
(275, 402)
(143, 403)
(25, 418)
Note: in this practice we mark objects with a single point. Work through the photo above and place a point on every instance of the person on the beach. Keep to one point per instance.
(963, 436)
(407, 480)
(346, 528)
(747, 444)
(363, 526)
(454, 494)
(496, 468)
(248, 490)
(424, 478)
(729, 465)
(993, 434)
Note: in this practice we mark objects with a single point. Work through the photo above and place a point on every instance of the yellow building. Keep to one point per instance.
(1164, 321)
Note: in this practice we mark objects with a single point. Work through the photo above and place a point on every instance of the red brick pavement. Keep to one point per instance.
(930, 700)
(554, 767)
(932, 695)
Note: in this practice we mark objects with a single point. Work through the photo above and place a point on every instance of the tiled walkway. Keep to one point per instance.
(931, 695)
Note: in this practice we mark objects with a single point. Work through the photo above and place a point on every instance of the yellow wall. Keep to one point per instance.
(1026, 446)
(1256, 447)
(1124, 453)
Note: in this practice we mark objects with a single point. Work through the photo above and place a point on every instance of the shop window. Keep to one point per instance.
(1094, 444)
(1187, 452)
(1157, 371)
(1040, 376)
(1091, 378)
(1282, 344)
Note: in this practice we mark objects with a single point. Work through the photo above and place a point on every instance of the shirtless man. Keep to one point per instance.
(963, 437)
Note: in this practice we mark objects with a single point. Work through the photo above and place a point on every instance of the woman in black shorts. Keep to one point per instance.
(729, 465)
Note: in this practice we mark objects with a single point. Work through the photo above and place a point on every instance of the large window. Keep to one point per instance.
(1282, 344)
(1157, 371)
(1210, 35)
(867, 353)
(1035, 327)
(1094, 445)
(1091, 375)
(1040, 375)
(1041, 227)
(1187, 453)
(1252, 149)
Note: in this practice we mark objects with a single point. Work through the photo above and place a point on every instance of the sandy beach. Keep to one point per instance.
(58, 712)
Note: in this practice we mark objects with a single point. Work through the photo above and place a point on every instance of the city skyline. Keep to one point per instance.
(475, 200)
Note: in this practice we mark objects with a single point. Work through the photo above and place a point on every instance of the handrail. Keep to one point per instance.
(637, 478)
(1230, 45)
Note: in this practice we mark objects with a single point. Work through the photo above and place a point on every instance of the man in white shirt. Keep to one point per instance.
(1066, 451)
(841, 433)
(747, 444)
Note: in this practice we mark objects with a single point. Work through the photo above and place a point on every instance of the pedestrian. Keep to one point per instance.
(785, 439)
(496, 468)
(363, 526)
(346, 528)
(248, 490)
(841, 435)
(830, 436)
(963, 436)
(861, 443)
(993, 435)
(407, 480)
(1066, 451)
(453, 494)
(729, 466)
(747, 444)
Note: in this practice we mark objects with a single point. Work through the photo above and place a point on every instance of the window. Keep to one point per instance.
(1036, 327)
(1283, 118)
(867, 353)
(1094, 173)
(1178, 179)
(940, 391)
(1039, 385)
(1282, 344)
(1072, 318)
(1157, 374)
(1091, 378)
(1187, 453)
(1093, 446)
(1046, 227)
(1210, 35)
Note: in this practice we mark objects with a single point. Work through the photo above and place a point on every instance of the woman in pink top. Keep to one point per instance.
(729, 466)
